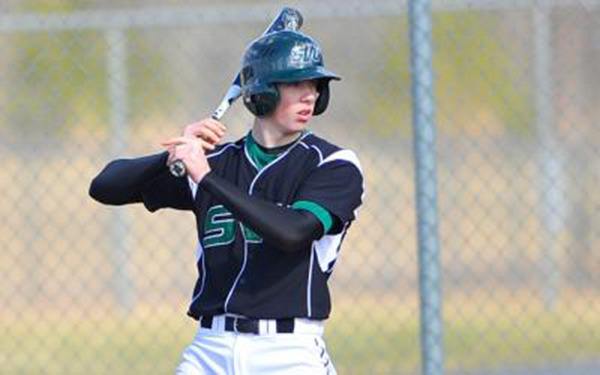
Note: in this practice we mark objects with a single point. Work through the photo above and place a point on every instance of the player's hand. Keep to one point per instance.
(209, 130)
(190, 151)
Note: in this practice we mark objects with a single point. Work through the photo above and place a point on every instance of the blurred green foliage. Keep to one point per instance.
(60, 79)
(478, 83)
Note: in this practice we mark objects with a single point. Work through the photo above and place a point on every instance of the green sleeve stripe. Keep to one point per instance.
(321, 213)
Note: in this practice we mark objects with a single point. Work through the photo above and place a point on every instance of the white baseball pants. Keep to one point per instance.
(220, 351)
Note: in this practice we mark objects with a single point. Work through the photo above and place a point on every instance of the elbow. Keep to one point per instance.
(113, 186)
(104, 191)
(292, 243)
(301, 235)
(99, 191)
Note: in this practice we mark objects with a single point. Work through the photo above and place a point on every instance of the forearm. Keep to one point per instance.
(122, 180)
(285, 228)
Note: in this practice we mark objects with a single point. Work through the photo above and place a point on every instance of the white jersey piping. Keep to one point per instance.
(200, 256)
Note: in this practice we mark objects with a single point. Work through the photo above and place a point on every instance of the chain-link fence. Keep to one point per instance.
(95, 289)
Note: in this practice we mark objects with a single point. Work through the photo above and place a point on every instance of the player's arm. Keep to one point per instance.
(122, 180)
(145, 179)
(286, 228)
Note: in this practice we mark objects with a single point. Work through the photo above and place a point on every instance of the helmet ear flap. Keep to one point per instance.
(323, 99)
(261, 102)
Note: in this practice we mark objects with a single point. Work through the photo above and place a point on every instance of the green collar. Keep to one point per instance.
(262, 156)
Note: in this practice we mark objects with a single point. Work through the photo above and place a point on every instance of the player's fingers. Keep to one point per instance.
(216, 126)
(211, 135)
(176, 141)
(206, 145)
(195, 129)
(214, 129)
(183, 148)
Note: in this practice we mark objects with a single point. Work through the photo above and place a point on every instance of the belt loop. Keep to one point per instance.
(228, 324)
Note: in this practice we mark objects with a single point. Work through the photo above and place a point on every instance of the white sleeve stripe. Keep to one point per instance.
(344, 155)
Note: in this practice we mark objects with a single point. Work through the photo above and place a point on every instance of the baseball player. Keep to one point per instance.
(271, 208)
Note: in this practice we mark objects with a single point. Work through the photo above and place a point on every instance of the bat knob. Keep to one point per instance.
(177, 168)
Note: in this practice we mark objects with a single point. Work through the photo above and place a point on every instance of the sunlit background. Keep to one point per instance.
(91, 289)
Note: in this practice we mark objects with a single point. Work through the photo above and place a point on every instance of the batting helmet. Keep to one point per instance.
(282, 57)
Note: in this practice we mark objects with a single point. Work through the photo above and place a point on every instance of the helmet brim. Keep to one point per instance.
(304, 75)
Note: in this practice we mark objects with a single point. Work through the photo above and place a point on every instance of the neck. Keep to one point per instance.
(268, 135)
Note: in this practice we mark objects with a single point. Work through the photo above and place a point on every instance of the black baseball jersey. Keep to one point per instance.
(238, 272)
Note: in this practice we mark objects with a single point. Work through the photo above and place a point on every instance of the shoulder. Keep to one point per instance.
(319, 145)
(227, 148)
(329, 152)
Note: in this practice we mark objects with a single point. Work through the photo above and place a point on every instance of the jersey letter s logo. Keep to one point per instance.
(219, 227)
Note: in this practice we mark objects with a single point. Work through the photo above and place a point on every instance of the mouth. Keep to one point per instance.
(304, 115)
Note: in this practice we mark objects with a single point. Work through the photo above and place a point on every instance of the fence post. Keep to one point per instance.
(426, 186)
(550, 158)
(120, 224)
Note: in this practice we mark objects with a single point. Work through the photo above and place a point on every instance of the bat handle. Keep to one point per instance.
(220, 111)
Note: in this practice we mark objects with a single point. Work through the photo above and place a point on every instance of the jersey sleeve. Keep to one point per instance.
(336, 184)
(167, 191)
(143, 179)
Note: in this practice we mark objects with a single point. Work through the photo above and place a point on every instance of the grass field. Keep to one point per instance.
(361, 340)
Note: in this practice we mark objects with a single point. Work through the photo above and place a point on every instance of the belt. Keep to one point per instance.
(261, 326)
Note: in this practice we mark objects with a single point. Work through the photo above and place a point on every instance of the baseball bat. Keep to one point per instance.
(287, 19)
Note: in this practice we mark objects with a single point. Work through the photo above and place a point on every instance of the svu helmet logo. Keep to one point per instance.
(305, 54)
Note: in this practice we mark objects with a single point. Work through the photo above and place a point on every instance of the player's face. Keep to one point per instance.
(296, 105)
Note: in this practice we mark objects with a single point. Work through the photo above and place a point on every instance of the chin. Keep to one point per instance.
(295, 128)
(300, 129)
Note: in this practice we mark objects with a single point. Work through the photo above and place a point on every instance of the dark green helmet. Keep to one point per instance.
(282, 57)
